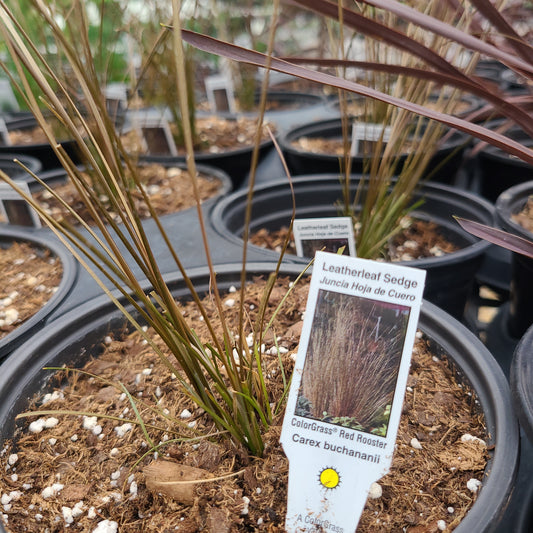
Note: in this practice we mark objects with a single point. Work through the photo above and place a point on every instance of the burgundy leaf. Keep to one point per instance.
(497, 236)
(237, 53)
(449, 31)
(488, 10)
(372, 28)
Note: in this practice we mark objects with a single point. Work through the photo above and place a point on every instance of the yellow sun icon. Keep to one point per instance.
(329, 478)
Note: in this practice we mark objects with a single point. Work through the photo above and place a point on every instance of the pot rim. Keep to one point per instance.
(471, 357)
(477, 246)
(509, 202)
(521, 382)
(456, 138)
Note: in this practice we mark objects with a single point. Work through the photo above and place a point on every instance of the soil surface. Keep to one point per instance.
(30, 277)
(77, 471)
(420, 239)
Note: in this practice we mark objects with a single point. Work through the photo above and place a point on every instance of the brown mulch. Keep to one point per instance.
(97, 476)
(30, 277)
(419, 240)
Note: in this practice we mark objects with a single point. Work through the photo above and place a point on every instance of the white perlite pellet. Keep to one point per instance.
(106, 526)
(12, 459)
(441, 524)
(90, 422)
(123, 429)
(473, 485)
(42, 423)
(375, 491)
(246, 502)
(470, 438)
(52, 490)
(51, 396)
(415, 443)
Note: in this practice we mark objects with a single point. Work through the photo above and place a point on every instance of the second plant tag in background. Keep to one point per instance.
(348, 386)
(328, 234)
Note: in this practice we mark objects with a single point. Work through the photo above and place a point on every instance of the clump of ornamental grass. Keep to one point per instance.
(431, 40)
(230, 389)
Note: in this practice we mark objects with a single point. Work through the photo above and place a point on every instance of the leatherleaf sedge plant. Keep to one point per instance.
(433, 35)
(230, 389)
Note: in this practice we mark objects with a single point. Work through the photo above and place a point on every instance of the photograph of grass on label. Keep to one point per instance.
(327, 245)
(352, 361)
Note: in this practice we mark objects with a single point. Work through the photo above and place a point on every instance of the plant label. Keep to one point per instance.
(4, 133)
(116, 99)
(347, 389)
(15, 209)
(156, 136)
(220, 93)
(327, 234)
(367, 138)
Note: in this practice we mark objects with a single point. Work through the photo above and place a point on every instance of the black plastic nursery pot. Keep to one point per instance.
(449, 278)
(39, 321)
(78, 335)
(522, 382)
(520, 316)
(286, 109)
(497, 170)
(235, 162)
(443, 166)
(41, 151)
(14, 170)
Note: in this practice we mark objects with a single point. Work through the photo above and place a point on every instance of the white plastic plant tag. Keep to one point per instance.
(4, 134)
(220, 93)
(347, 389)
(15, 209)
(156, 136)
(116, 98)
(366, 136)
(328, 234)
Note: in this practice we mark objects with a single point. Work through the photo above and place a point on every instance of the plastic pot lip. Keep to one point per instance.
(68, 280)
(510, 202)
(59, 174)
(479, 367)
(318, 127)
(304, 101)
(477, 246)
(207, 157)
(474, 101)
(521, 384)
(29, 161)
